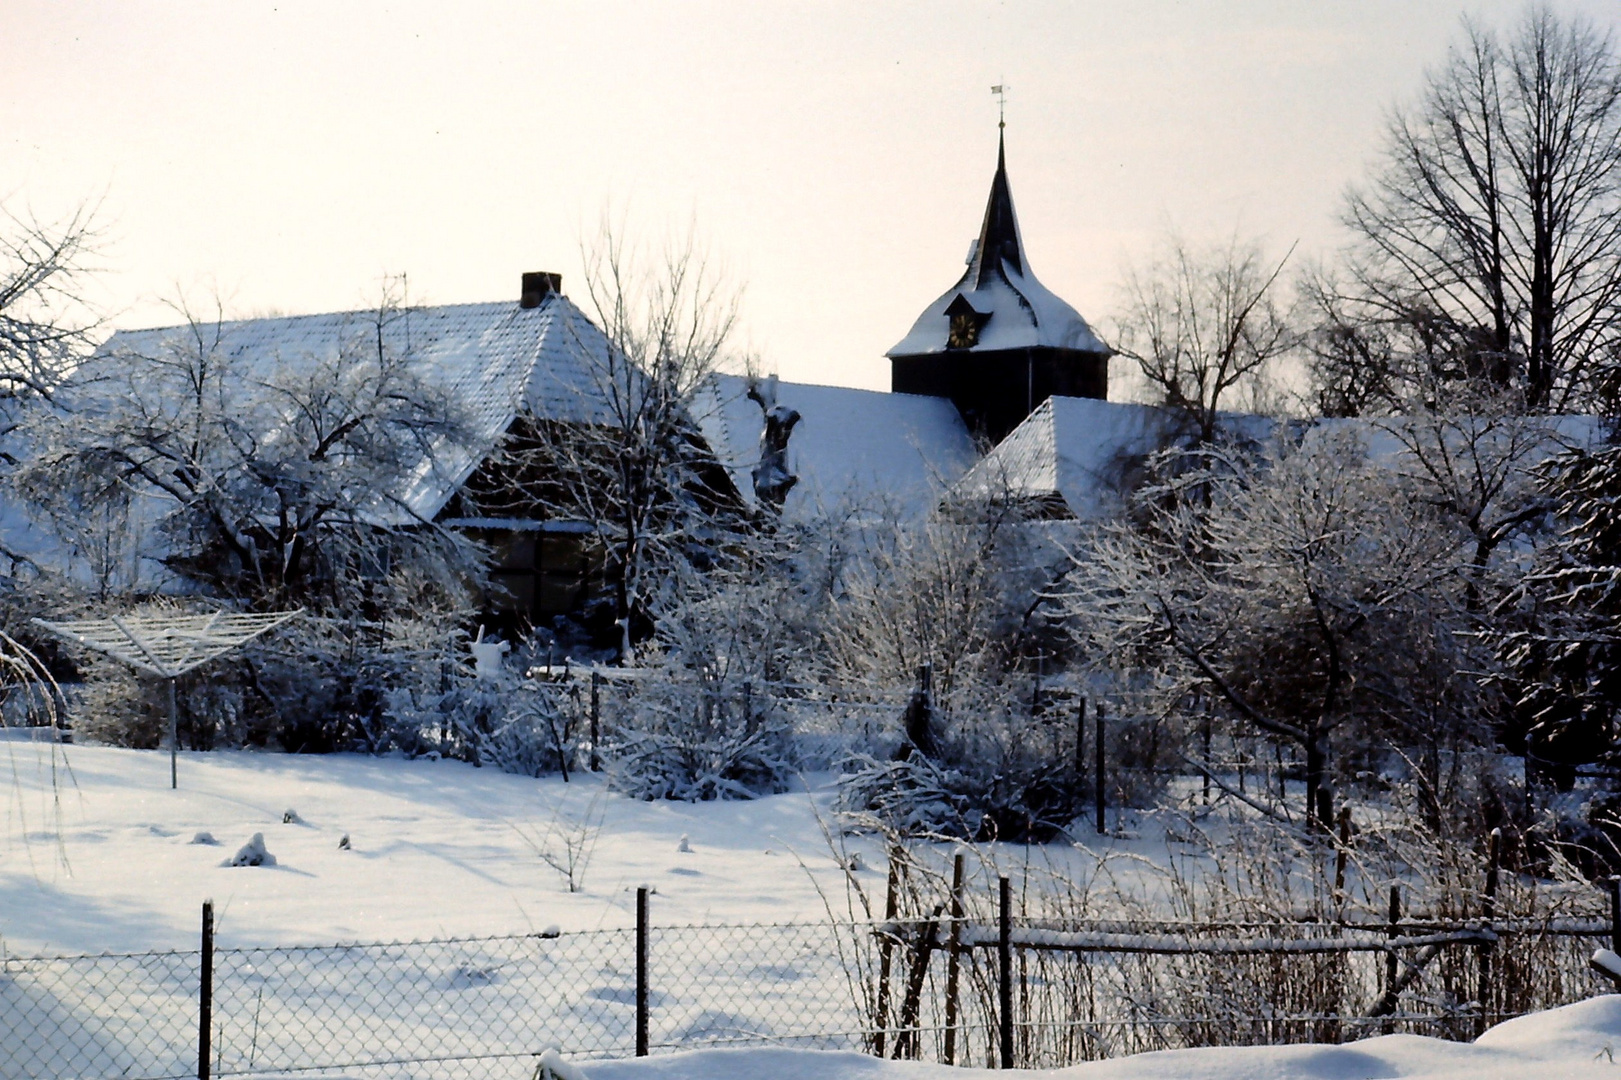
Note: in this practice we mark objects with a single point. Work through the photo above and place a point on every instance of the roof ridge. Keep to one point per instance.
(309, 315)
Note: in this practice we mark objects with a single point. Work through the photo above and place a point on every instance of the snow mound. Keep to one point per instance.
(204, 838)
(1572, 1043)
(252, 853)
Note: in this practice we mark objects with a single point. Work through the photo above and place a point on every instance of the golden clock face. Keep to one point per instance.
(964, 331)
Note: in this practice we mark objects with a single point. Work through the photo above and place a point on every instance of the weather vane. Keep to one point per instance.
(1000, 90)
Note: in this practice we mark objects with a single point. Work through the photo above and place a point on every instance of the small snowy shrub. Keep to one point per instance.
(909, 797)
(518, 725)
(706, 724)
(694, 743)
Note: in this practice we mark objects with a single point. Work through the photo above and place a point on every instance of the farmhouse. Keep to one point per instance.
(996, 362)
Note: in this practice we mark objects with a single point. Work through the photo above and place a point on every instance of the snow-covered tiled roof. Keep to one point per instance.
(1080, 450)
(851, 448)
(492, 360)
(1086, 452)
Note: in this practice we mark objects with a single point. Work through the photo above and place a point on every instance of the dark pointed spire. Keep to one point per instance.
(999, 235)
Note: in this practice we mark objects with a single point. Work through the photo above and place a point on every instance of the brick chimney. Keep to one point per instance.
(537, 286)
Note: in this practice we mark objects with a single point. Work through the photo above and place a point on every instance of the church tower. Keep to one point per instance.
(997, 343)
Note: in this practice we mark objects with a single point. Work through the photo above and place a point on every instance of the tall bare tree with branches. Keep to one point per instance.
(45, 323)
(1494, 214)
(1203, 323)
(627, 463)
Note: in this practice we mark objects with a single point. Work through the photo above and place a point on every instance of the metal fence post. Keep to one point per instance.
(1004, 950)
(205, 993)
(1080, 749)
(641, 971)
(174, 736)
(596, 717)
(1390, 958)
(1488, 908)
(1097, 773)
(954, 958)
(1206, 735)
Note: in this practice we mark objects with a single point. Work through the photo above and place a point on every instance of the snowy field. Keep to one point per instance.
(99, 855)
(107, 861)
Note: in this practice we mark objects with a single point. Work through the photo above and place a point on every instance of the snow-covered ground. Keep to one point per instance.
(98, 854)
(437, 848)
(1571, 1043)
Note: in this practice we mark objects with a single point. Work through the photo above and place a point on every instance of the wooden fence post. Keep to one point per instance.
(596, 720)
(205, 994)
(1615, 914)
(1080, 748)
(1004, 948)
(1340, 854)
(954, 958)
(1098, 772)
(909, 1039)
(1390, 957)
(641, 971)
(1206, 733)
(1488, 908)
(886, 946)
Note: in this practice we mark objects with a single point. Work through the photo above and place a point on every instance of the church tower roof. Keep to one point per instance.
(998, 304)
(999, 235)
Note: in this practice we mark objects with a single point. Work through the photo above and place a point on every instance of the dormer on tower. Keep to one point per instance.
(998, 343)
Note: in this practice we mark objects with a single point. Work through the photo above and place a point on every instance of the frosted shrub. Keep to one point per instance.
(697, 739)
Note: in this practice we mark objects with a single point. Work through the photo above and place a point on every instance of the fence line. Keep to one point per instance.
(1025, 992)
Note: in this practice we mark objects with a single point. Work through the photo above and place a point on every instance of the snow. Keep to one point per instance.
(1573, 1042)
(106, 859)
(493, 359)
(1079, 449)
(1023, 314)
(436, 848)
(851, 448)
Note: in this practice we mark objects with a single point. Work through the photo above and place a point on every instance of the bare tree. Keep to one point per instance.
(276, 479)
(1473, 463)
(1203, 323)
(627, 462)
(45, 324)
(1298, 587)
(1494, 216)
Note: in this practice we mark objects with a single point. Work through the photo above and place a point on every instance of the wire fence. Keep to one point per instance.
(488, 1006)
(441, 1008)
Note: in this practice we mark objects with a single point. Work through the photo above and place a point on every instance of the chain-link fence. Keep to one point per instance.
(442, 1008)
(486, 1007)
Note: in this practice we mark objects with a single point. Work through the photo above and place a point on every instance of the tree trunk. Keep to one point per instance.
(1319, 799)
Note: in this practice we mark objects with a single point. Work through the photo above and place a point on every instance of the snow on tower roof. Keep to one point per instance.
(850, 448)
(1016, 310)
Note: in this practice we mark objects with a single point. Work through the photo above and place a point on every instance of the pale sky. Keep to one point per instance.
(835, 156)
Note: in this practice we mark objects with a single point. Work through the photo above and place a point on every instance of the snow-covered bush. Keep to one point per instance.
(984, 749)
(704, 723)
